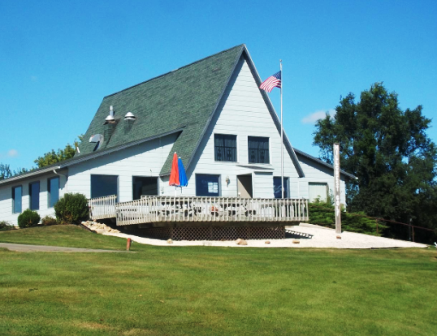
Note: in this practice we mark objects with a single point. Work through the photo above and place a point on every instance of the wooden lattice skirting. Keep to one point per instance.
(215, 233)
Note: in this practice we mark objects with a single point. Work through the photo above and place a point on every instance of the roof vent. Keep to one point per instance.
(129, 119)
(129, 116)
(98, 140)
(110, 117)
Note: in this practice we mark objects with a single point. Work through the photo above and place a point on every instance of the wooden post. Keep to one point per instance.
(128, 244)
(412, 228)
(337, 188)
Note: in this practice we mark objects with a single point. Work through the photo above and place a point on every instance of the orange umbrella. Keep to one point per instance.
(174, 174)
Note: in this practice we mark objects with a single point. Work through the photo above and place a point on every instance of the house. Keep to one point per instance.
(211, 112)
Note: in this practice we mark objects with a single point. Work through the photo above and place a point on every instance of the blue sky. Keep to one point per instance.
(58, 59)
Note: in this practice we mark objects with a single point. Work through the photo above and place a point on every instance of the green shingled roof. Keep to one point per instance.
(184, 98)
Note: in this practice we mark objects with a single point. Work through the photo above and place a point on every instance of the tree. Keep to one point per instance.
(53, 157)
(5, 171)
(390, 153)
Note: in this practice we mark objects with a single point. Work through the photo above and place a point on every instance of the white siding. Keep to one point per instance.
(6, 197)
(143, 160)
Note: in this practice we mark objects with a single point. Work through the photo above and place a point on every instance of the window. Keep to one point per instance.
(144, 186)
(53, 191)
(225, 147)
(277, 187)
(318, 191)
(17, 192)
(104, 185)
(207, 185)
(259, 150)
(34, 196)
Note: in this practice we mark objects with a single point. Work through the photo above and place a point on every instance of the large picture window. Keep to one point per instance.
(142, 186)
(53, 191)
(104, 185)
(225, 147)
(207, 185)
(259, 150)
(17, 193)
(34, 196)
(278, 189)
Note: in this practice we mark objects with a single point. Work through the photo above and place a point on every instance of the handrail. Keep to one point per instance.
(102, 207)
(154, 209)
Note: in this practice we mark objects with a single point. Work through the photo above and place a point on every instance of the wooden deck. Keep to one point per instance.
(160, 211)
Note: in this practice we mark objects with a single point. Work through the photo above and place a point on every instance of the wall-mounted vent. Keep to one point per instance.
(98, 140)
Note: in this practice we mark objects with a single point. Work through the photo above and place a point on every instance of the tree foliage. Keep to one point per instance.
(5, 171)
(390, 153)
(53, 156)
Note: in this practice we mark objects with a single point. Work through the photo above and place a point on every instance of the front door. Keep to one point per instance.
(245, 186)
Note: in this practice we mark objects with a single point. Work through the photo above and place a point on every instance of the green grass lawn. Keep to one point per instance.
(62, 235)
(214, 291)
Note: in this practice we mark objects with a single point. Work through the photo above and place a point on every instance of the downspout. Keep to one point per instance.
(66, 179)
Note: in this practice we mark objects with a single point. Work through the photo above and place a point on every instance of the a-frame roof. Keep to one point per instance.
(185, 99)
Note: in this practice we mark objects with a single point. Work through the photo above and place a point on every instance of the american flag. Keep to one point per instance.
(271, 82)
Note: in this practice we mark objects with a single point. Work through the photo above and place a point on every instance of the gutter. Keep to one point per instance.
(30, 174)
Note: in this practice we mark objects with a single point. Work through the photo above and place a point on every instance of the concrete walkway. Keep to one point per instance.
(42, 248)
(305, 235)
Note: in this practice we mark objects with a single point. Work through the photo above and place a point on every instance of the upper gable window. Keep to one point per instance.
(225, 147)
(259, 150)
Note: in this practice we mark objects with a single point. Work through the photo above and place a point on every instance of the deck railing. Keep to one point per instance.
(102, 207)
(155, 209)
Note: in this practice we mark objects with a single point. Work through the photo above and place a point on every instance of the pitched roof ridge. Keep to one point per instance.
(182, 67)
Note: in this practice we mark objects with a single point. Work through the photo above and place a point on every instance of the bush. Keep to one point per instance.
(6, 226)
(72, 209)
(47, 220)
(322, 213)
(28, 218)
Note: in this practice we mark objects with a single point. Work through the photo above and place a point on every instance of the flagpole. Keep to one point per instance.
(282, 137)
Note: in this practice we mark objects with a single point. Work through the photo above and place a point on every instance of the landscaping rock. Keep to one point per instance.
(99, 227)
(169, 241)
(241, 241)
(296, 241)
(267, 242)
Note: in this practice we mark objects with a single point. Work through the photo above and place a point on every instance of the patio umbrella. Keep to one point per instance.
(178, 177)
(183, 181)
(174, 174)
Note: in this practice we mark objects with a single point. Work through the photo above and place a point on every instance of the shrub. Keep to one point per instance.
(47, 220)
(72, 209)
(322, 213)
(28, 218)
(6, 226)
